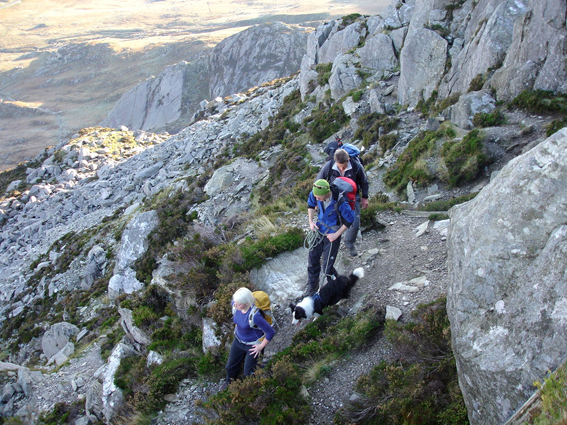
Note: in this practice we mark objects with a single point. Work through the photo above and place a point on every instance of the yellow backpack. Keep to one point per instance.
(264, 304)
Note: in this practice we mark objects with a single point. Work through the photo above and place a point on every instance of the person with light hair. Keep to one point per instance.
(251, 335)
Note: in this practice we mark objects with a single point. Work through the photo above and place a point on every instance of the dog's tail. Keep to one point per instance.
(356, 274)
(359, 272)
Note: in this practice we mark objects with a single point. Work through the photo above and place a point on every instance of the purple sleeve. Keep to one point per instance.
(265, 326)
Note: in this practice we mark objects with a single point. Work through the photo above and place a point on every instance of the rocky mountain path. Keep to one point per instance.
(390, 256)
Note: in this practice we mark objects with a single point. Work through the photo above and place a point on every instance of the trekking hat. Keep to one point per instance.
(321, 187)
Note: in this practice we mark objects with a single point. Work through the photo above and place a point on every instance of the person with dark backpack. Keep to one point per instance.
(334, 217)
(344, 165)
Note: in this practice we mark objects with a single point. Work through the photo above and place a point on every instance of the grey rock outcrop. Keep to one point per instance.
(112, 396)
(281, 277)
(229, 190)
(463, 112)
(161, 100)
(57, 337)
(96, 263)
(133, 244)
(257, 55)
(535, 58)
(254, 56)
(507, 298)
(422, 64)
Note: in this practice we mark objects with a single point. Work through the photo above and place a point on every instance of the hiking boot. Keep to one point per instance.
(223, 386)
(351, 250)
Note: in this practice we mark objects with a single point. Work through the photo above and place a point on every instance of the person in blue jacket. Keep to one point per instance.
(251, 335)
(334, 217)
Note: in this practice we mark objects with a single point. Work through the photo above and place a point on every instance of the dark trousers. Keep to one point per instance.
(239, 353)
(326, 252)
(352, 232)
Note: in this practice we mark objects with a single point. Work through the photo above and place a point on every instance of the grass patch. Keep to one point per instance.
(464, 159)
(369, 130)
(553, 407)
(323, 73)
(273, 394)
(544, 102)
(540, 102)
(379, 202)
(446, 205)
(325, 121)
(409, 165)
(492, 119)
(477, 82)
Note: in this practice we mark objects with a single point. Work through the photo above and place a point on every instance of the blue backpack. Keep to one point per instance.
(351, 149)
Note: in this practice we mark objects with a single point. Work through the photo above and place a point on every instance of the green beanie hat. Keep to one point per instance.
(321, 187)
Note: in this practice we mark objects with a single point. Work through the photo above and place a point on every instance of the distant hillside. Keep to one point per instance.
(75, 62)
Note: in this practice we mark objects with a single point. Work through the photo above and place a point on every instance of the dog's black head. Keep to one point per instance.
(297, 314)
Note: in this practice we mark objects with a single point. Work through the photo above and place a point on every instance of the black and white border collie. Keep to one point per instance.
(329, 294)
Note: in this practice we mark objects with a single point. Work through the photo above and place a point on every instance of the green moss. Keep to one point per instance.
(357, 95)
(379, 202)
(477, 83)
(271, 396)
(254, 254)
(555, 125)
(540, 101)
(62, 413)
(349, 19)
(164, 379)
(427, 106)
(323, 73)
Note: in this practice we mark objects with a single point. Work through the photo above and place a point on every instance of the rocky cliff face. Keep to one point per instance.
(89, 203)
(167, 102)
(507, 300)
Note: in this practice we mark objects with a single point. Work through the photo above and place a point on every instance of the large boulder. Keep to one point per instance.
(378, 55)
(325, 45)
(507, 300)
(229, 191)
(462, 113)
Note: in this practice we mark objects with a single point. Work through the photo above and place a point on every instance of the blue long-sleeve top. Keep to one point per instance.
(247, 334)
(327, 218)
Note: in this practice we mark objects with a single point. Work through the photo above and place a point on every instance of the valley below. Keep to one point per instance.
(64, 64)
